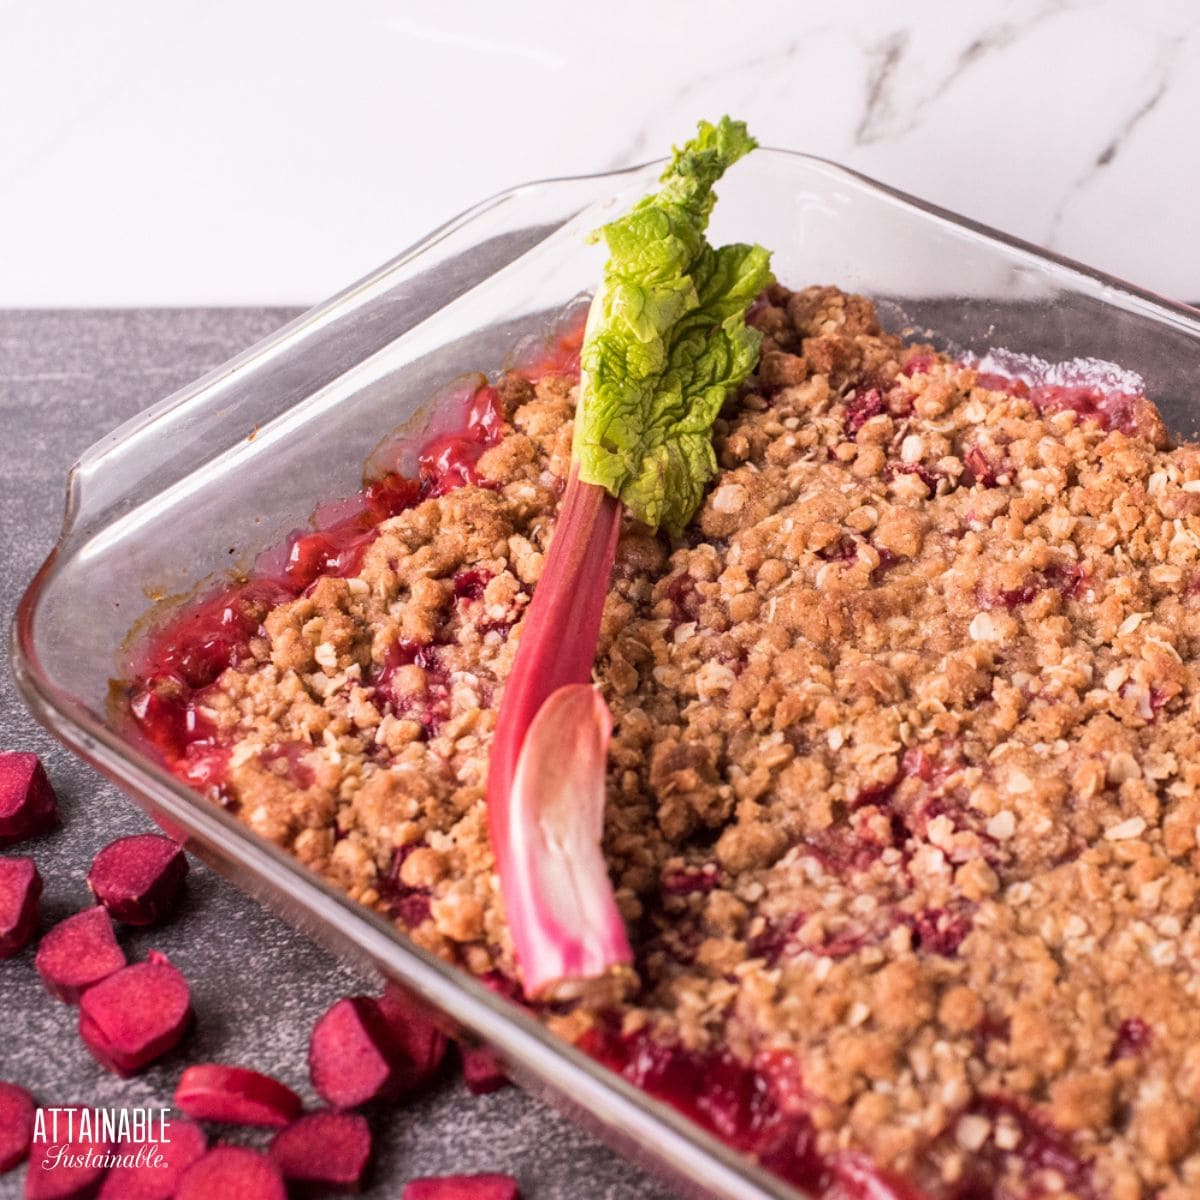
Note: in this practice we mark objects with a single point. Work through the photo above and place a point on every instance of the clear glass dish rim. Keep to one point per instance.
(629, 1115)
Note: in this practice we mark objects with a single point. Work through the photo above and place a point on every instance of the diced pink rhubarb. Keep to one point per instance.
(481, 1072)
(156, 1167)
(353, 1056)
(135, 1016)
(77, 954)
(861, 405)
(1133, 1038)
(27, 802)
(232, 1173)
(235, 1096)
(462, 1187)
(557, 892)
(16, 1125)
(139, 878)
(422, 1043)
(537, 831)
(69, 1166)
(20, 888)
(327, 1148)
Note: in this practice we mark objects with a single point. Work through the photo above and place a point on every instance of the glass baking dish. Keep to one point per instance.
(210, 476)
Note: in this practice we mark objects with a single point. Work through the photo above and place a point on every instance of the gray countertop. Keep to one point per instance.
(66, 378)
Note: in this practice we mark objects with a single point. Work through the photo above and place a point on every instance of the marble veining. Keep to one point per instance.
(879, 118)
(1156, 88)
(270, 152)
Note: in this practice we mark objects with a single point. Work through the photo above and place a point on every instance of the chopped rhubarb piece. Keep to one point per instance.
(1133, 1038)
(1070, 578)
(688, 881)
(557, 355)
(980, 468)
(861, 406)
(135, 1016)
(232, 1173)
(559, 899)
(27, 802)
(20, 888)
(684, 597)
(78, 953)
(327, 1148)
(235, 1096)
(156, 1167)
(71, 1163)
(462, 1187)
(929, 477)
(422, 1043)
(16, 1125)
(469, 585)
(139, 878)
(936, 931)
(353, 1055)
(1111, 410)
(481, 1072)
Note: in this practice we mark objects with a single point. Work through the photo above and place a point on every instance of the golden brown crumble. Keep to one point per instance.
(905, 769)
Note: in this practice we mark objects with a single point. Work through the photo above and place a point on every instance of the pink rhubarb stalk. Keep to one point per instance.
(666, 342)
(546, 779)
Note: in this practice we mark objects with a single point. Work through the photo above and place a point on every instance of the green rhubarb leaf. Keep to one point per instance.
(667, 339)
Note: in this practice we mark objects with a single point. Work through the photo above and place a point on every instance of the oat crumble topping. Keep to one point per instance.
(903, 783)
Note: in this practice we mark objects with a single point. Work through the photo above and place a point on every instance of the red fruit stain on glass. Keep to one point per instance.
(993, 381)
(172, 668)
(557, 356)
(760, 1108)
(757, 1108)
(449, 462)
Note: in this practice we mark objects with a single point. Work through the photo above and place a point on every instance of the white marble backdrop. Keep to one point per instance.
(270, 151)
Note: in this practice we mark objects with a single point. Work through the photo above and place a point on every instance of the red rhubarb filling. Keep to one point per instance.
(187, 653)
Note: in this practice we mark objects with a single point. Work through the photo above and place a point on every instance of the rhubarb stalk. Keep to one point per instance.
(665, 344)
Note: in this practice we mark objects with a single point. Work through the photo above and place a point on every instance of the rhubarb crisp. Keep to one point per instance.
(904, 785)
